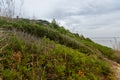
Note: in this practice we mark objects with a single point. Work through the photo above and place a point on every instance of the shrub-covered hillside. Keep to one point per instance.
(39, 50)
(56, 33)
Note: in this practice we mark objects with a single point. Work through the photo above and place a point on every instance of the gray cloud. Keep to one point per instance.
(86, 7)
(87, 17)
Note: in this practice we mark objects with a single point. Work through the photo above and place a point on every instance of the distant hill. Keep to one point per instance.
(40, 50)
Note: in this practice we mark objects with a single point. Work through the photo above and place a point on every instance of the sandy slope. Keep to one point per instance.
(115, 67)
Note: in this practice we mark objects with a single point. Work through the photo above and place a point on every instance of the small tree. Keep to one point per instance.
(54, 23)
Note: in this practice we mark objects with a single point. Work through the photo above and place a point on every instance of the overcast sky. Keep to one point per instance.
(92, 18)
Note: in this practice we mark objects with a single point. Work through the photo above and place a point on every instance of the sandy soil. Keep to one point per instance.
(115, 67)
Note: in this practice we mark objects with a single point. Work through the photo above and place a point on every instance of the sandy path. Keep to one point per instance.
(115, 67)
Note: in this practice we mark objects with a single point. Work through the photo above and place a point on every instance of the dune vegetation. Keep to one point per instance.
(40, 50)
